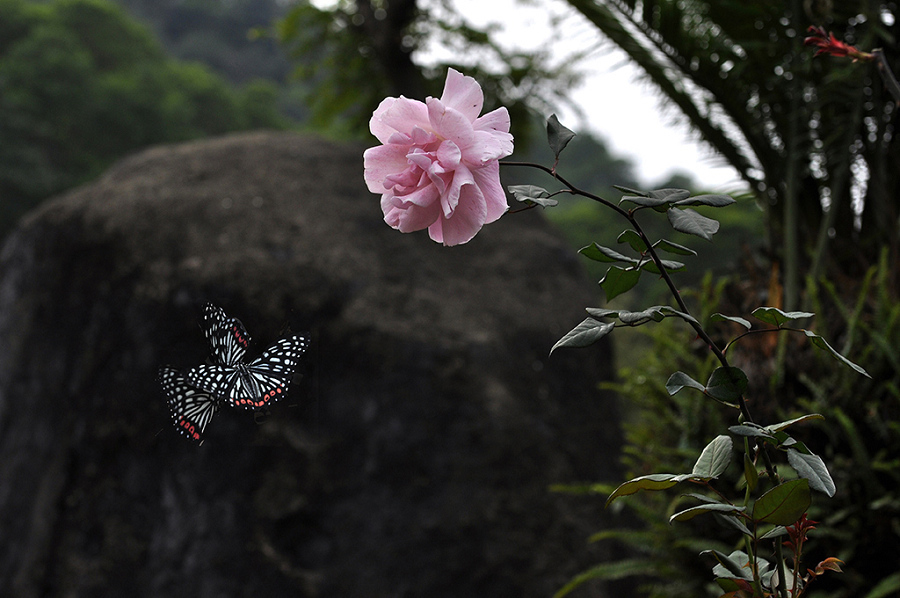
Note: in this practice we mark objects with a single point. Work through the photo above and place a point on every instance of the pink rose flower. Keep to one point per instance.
(438, 165)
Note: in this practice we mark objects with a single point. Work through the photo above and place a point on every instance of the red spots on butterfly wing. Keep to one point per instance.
(189, 429)
(239, 336)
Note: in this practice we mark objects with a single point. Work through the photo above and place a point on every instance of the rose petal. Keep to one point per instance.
(450, 124)
(497, 123)
(483, 148)
(410, 217)
(398, 115)
(467, 220)
(381, 162)
(449, 155)
(495, 120)
(462, 177)
(488, 181)
(463, 94)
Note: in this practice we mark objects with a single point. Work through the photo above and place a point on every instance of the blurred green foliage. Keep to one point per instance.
(81, 85)
(218, 34)
(859, 438)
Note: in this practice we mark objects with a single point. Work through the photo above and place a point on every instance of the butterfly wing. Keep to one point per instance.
(192, 409)
(272, 372)
(227, 337)
(253, 385)
(256, 384)
(234, 385)
(217, 380)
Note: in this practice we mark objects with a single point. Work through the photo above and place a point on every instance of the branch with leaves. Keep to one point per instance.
(767, 510)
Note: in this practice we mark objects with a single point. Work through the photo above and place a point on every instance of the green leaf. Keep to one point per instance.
(636, 318)
(619, 280)
(670, 265)
(786, 442)
(782, 425)
(688, 514)
(658, 199)
(653, 482)
(783, 504)
(751, 430)
(673, 248)
(717, 317)
(731, 565)
(727, 384)
(813, 469)
(692, 223)
(670, 194)
(602, 312)
(680, 380)
(679, 314)
(557, 135)
(715, 201)
(645, 202)
(775, 532)
(770, 578)
(532, 194)
(631, 191)
(585, 334)
(776, 317)
(714, 458)
(632, 238)
(823, 344)
(598, 253)
(750, 473)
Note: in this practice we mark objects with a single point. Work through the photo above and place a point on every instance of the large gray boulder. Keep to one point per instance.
(411, 458)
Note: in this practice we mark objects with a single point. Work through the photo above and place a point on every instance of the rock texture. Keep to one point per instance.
(413, 456)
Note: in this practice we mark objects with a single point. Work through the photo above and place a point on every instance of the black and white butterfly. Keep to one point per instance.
(256, 384)
(191, 408)
(250, 385)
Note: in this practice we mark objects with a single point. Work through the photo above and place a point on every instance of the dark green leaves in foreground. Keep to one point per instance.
(532, 194)
(627, 269)
(808, 465)
(783, 504)
(778, 318)
(592, 329)
(557, 135)
(725, 385)
(626, 272)
(675, 202)
(712, 463)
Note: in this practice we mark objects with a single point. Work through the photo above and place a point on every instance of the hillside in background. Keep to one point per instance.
(82, 85)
